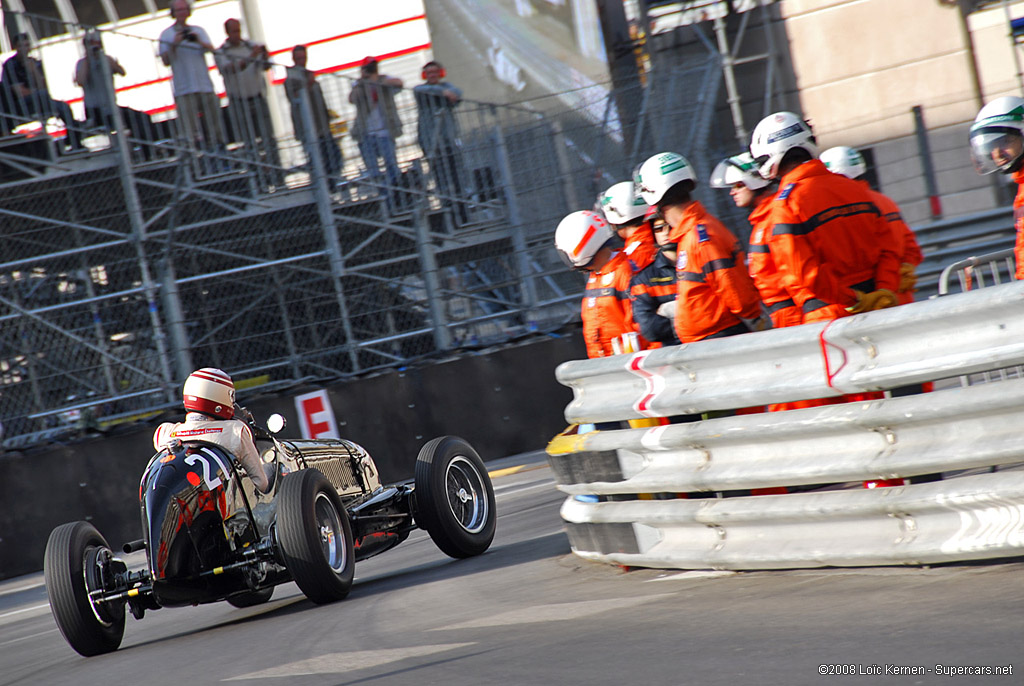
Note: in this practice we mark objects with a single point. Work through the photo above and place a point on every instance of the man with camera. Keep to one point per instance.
(244, 64)
(183, 48)
(97, 83)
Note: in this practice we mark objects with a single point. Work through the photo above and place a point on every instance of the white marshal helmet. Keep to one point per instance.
(210, 391)
(845, 161)
(621, 204)
(661, 172)
(997, 136)
(580, 236)
(777, 134)
(738, 169)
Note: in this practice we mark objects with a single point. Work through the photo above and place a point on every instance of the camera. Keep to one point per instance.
(190, 35)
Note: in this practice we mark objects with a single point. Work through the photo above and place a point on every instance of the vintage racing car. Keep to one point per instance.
(210, 535)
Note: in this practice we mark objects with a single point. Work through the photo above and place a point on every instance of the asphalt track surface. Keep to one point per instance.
(529, 612)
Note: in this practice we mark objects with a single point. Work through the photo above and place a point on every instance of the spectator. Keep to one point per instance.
(243, 65)
(833, 248)
(438, 132)
(301, 80)
(753, 193)
(98, 91)
(715, 295)
(183, 48)
(377, 124)
(997, 144)
(27, 96)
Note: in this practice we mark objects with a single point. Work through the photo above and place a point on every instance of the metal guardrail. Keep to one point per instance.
(971, 518)
(870, 352)
(954, 240)
(992, 269)
(625, 486)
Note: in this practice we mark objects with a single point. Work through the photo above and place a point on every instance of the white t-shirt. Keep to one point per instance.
(189, 71)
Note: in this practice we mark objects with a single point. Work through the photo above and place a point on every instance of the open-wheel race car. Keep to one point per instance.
(210, 535)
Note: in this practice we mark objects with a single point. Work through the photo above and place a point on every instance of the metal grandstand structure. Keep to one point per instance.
(126, 267)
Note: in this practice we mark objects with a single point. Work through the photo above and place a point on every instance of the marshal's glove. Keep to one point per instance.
(668, 310)
(908, 277)
(875, 300)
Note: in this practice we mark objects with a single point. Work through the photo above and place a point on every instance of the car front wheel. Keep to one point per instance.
(76, 561)
(315, 536)
(454, 497)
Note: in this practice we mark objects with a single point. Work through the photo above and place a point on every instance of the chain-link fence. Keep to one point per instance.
(278, 251)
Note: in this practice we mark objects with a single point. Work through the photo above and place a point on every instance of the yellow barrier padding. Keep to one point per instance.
(644, 423)
(566, 442)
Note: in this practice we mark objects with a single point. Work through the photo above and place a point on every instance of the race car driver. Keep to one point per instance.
(715, 295)
(753, 193)
(209, 397)
(834, 250)
(586, 242)
(997, 144)
(850, 163)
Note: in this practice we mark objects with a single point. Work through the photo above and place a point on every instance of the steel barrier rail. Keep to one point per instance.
(873, 351)
(956, 429)
(993, 266)
(969, 518)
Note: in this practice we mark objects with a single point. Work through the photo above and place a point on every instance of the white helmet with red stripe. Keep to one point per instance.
(211, 392)
(580, 236)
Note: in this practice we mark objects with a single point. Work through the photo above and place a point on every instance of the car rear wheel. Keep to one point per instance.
(315, 536)
(454, 497)
(76, 561)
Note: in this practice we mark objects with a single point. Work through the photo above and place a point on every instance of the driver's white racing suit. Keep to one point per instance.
(233, 435)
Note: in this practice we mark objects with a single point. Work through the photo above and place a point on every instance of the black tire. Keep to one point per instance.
(251, 598)
(71, 570)
(454, 497)
(315, 536)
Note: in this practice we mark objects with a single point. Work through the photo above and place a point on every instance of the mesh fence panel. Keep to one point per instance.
(161, 250)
